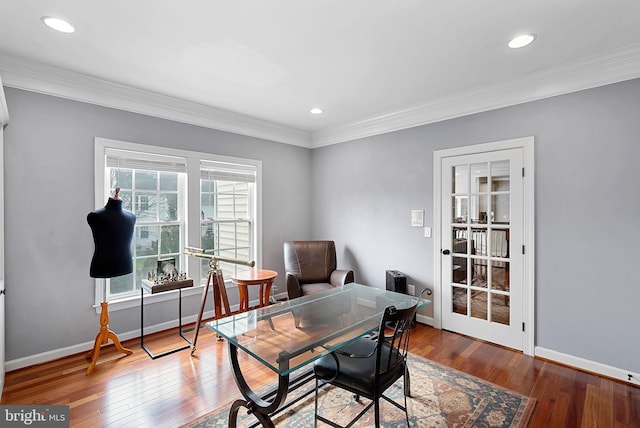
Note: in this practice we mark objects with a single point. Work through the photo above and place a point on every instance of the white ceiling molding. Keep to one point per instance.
(615, 66)
(4, 110)
(35, 77)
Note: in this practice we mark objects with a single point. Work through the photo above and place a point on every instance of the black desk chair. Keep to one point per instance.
(370, 365)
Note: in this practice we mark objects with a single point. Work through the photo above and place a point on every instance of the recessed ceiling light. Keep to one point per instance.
(316, 110)
(521, 41)
(58, 24)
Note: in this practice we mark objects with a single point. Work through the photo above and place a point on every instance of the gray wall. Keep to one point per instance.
(587, 152)
(358, 193)
(49, 190)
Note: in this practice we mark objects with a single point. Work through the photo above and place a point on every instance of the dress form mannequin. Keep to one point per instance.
(112, 229)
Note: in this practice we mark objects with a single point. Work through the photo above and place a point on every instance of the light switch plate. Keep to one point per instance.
(427, 232)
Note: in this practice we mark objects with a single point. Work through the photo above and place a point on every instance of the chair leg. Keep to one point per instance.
(315, 412)
(407, 386)
(376, 410)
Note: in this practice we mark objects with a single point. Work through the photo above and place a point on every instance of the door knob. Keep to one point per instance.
(446, 252)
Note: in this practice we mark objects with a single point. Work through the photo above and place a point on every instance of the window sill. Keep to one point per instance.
(150, 299)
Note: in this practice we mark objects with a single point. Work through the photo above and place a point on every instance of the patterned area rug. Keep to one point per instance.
(441, 397)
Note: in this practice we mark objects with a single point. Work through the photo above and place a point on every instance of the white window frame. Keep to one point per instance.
(191, 217)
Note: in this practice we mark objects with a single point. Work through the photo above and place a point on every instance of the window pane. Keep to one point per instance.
(146, 241)
(226, 236)
(170, 240)
(143, 267)
(225, 207)
(120, 178)
(146, 207)
(206, 186)
(207, 208)
(126, 200)
(121, 284)
(168, 209)
(146, 180)
(208, 236)
(168, 181)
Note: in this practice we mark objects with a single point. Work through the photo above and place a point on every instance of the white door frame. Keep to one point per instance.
(527, 146)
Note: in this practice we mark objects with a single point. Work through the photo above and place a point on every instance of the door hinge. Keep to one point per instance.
(523, 171)
(523, 327)
(2, 292)
(523, 249)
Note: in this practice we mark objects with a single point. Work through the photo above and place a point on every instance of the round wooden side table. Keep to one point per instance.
(262, 277)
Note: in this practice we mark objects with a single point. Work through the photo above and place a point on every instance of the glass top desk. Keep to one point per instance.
(288, 335)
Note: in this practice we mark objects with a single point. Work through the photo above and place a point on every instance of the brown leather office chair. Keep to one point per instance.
(311, 267)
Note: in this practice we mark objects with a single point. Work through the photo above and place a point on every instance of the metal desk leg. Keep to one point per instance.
(255, 404)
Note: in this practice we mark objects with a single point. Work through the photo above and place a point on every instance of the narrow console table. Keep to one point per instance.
(153, 288)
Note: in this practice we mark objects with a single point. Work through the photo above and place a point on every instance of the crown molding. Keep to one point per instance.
(4, 110)
(36, 77)
(615, 66)
(612, 67)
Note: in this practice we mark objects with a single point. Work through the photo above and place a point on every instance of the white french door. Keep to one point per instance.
(482, 235)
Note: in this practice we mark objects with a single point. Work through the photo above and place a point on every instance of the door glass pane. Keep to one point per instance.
(500, 306)
(461, 179)
(460, 208)
(479, 304)
(459, 270)
(500, 243)
(479, 273)
(478, 208)
(459, 240)
(479, 243)
(500, 209)
(459, 300)
(479, 177)
(500, 276)
(500, 176)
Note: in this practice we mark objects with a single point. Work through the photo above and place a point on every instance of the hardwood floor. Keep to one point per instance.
(136, 391)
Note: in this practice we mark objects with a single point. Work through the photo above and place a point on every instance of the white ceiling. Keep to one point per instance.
(257, 67)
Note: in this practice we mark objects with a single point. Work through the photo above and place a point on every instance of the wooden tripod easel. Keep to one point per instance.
(103, 338)
(220, 299)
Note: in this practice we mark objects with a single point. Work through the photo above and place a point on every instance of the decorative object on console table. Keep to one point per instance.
(160, 286)
(112, 229)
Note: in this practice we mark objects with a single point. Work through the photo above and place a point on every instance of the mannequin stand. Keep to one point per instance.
(103, 338)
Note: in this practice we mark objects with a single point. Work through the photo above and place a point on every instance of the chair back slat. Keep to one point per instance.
(393, 338)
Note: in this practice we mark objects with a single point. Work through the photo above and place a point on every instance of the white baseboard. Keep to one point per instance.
(423, 319)
(588, 365)
(548, 354)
